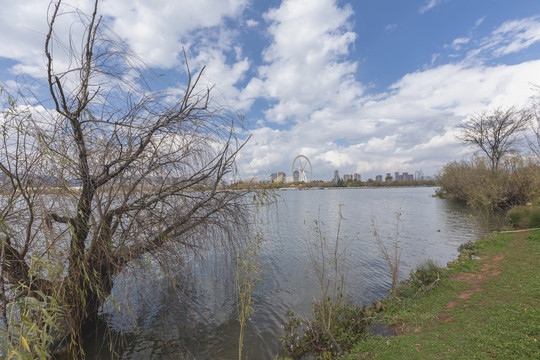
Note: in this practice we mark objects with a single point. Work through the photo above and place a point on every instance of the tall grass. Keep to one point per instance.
(391, 257)
(335, 323)
(248, 274)
(328, 262)
(249, 269)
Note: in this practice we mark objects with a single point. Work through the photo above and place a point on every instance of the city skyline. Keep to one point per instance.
(416, 175)
(396, 176)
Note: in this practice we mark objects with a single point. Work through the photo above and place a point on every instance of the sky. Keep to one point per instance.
(361, 86)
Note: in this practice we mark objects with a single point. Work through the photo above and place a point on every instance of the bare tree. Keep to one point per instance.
(110, 174)
(495, 133)
(534, 142)
(534, 138)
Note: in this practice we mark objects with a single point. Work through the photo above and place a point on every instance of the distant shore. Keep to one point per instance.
(325, 185)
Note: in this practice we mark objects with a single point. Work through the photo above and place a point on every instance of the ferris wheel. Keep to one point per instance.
(302, 165)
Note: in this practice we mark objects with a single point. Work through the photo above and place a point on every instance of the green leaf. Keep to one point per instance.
(25, 344)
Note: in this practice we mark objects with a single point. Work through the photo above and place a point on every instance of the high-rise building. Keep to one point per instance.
(357, 177)
(296, 175)
(273, 176)
(378, 178)
(336, 176)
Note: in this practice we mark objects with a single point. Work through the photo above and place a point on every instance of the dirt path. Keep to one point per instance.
(490, 268)
(518, 231)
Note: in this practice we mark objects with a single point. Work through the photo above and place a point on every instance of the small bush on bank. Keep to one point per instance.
(515, 216)
(426, 273)
(469, 245)
(350, 323)
(422, 279)
(524, 217)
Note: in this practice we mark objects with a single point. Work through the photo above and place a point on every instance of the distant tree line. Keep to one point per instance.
(329, 184)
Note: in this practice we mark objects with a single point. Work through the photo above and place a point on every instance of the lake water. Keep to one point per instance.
(198, 319)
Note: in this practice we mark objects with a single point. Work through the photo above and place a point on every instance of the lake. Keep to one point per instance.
(198, 318)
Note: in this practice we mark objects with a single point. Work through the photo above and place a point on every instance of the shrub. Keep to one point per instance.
(406, 290)
(422, 279)
(426, 273)
(515, 215)
(524, 217)
(469, 245)
(516, 182)
(350, 323)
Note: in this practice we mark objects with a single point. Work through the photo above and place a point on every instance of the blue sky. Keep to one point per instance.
(359, 86)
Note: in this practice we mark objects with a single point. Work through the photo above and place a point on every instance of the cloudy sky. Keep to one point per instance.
(359, 86)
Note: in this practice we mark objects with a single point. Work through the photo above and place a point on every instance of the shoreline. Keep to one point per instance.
(483, 281)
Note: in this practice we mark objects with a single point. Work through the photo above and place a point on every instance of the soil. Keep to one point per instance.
(490, 268)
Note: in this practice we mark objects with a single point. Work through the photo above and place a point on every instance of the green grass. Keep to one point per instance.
(500, 320)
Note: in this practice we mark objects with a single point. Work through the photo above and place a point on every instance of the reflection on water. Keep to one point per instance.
(197, 318)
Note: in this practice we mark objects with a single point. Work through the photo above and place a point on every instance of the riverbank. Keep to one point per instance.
(485, 308)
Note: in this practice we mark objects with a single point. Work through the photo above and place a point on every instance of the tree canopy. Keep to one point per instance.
(495, 133)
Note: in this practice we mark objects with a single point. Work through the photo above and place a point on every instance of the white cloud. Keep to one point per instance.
(457, 43)
(23, 26)
(158, 29)
(390, 27)
(305, 66)
(514, 36)
(430, 4)
(386, 144)
(479, 22)
(411, 127)
(252, 23)
(511, 37)
(223, 76)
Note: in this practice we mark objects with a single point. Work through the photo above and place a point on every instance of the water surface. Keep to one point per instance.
(198, 320)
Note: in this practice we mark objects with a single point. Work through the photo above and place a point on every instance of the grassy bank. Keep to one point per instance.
(485, 308)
